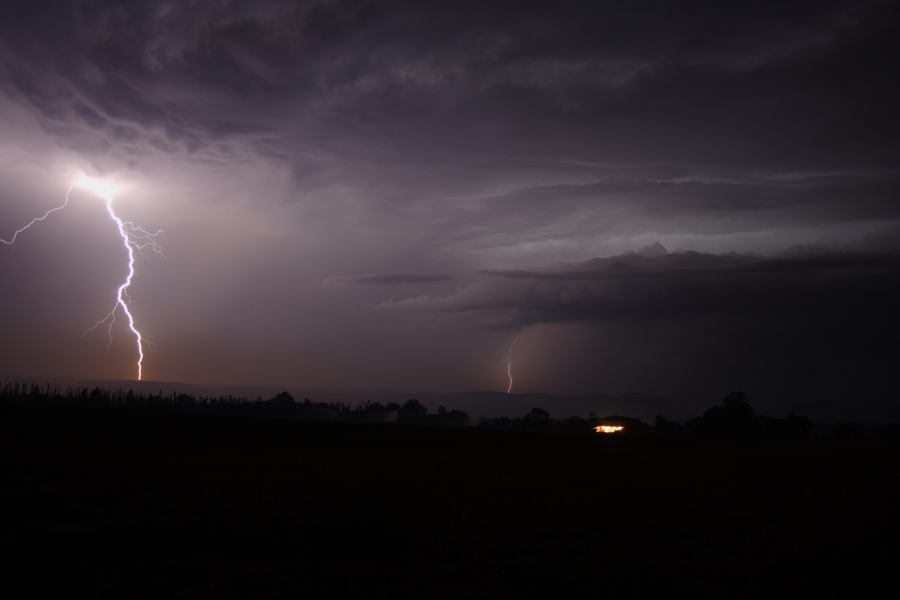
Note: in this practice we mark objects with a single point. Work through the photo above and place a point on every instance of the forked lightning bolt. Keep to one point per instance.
(133, 238)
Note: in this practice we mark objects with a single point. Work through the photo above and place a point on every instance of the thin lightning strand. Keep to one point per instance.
(109, 320)
(509, 352)
(24, 228)
(509, 371)
(133, 237)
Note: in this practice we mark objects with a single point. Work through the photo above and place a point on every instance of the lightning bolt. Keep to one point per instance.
(24, 228)
(509, 376)
(133, 238)
(509, 370)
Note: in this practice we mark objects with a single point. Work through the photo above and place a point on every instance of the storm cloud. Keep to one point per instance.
(681, 285)
(805, 326)
(497, 164)
(389, 278)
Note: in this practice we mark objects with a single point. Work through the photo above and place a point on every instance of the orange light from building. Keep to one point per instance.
(608, 428)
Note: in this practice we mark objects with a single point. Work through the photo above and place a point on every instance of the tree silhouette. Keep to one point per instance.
(413, 408)
(733, 416)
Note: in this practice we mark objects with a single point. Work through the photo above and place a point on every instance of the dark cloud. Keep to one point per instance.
(681, 285)
(390, 278)
(282, 142)
(808, 325)
(185, 75)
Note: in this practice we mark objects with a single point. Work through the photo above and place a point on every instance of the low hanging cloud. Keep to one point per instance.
(388, 279)
(661, 286)
(802, 328)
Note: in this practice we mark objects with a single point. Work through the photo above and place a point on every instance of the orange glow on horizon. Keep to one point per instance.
(608, 428)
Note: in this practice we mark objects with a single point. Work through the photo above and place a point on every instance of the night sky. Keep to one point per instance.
(675, 198)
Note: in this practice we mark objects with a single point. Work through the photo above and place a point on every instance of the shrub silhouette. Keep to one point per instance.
(413, 408)
(734, 416)
(663, 424)
(540, 414)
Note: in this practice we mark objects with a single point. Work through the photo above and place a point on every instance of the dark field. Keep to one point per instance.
(104, 503)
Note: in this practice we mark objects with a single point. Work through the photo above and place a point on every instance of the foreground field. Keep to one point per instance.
(126, 505)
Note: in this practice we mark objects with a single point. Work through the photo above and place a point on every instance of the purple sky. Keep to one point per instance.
(671, 198)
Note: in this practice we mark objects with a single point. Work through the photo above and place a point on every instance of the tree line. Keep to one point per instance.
(733, 418)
